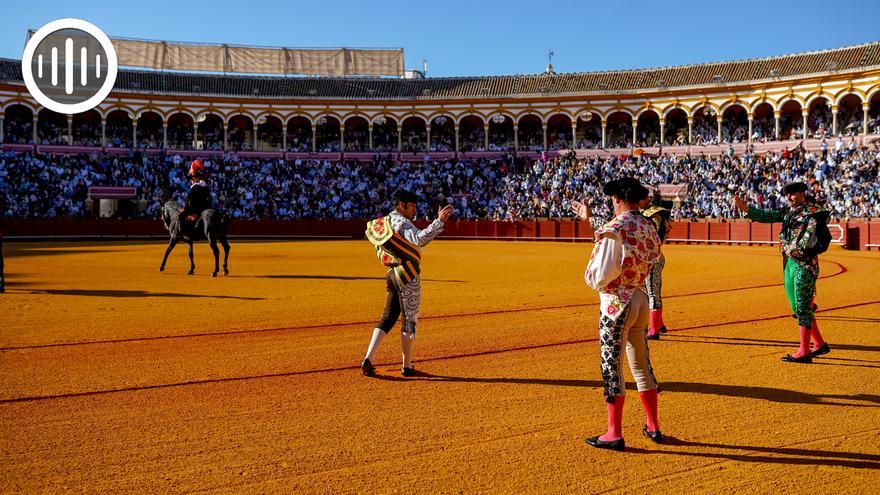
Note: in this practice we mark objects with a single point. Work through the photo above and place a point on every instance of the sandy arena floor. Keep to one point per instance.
(116, 378)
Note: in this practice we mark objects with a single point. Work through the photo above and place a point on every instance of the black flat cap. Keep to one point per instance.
(794, 187)
(404, 196)
(627, 188)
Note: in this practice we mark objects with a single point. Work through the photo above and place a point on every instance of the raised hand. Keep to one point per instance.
(580, 209)
(445, 212)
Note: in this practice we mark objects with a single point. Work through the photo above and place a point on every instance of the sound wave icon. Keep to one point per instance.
(68, 66)
(67, 83)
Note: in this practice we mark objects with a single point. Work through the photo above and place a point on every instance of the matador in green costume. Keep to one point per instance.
(800, 266)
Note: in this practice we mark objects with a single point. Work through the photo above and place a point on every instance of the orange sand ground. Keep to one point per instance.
(116, 378)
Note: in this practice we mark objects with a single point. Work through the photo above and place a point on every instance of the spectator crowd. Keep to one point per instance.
(842, 177)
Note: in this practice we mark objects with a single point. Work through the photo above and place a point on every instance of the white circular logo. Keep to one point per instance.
(69, 66)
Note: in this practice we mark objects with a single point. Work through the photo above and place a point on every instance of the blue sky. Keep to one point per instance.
(460, 38)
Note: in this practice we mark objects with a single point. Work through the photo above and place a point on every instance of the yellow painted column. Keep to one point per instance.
(604, 125)
(805, 112)
(834, 109)
(865, 107)
(776, 115)
(751, 123)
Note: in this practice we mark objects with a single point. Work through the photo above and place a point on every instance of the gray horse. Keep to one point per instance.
(213, 227)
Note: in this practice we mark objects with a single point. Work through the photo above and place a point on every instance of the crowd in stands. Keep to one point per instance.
(843, 177)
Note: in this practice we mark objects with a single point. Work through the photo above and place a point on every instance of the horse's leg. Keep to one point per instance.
(168, 250)
(213, 242)
(192, 263)
(225, 244)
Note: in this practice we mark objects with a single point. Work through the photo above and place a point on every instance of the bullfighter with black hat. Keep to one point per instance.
(399, 247)
(626, 248)
(798, 243)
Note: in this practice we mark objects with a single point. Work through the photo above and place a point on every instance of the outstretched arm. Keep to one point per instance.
(581, 210)
(757, 214)
(426, 235)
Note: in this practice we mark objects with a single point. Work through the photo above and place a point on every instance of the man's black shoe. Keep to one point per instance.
(617, 445)
(788, 358)
(367, 368)
(823, 349)
(655, 436)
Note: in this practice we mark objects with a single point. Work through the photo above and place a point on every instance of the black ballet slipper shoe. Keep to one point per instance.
(823, 349)
(367, 368)
(655, 436)
(617, 445)
(788, 358)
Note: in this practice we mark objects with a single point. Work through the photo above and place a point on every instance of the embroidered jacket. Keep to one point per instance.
(798, 227)
(625, 249)
(398, 243)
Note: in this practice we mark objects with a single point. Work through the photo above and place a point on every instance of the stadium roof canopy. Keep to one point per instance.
(206, 57)
(852, 58)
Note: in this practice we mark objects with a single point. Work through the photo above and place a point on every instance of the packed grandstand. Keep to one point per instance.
(503, 148)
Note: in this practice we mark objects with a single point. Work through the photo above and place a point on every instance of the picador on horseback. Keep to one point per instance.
(198, 200)
(197, 220)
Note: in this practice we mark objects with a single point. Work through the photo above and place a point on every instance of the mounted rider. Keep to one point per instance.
(198, 200)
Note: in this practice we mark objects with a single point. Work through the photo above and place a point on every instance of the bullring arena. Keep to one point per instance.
(118, 378)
